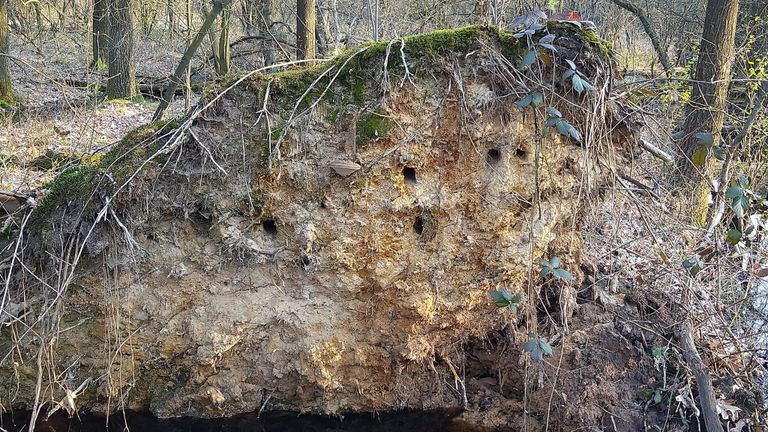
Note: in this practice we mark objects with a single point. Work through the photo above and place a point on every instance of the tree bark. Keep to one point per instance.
(706, 110)
(661, 52)
(100, 33)
(176, 78)
(224, 61)
(306, 20)
(482, 12)
(6, 88)
(265, 12)
(188, 68)
(122, 72)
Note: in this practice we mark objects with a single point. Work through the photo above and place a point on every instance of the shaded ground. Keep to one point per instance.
(267, 422)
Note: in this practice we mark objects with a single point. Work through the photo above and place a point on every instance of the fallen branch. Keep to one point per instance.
(703, 380)
(655, 151)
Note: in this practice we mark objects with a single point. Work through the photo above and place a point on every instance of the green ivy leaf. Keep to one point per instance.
(547, 39)
(530, 345)
(740, 205)
(502, 297)
(733, 237)
(555, 262)
(573, 133)
(576, 82)
(700, 157)
(718, 153)
(545, 346)
(743, 180)
(692, 265)
(530, 58)
(537, 347)
(733, 192)
(552, 121)
(705, 138)
(562, 274)
(525, 102)
(553, 112)
(537, 98)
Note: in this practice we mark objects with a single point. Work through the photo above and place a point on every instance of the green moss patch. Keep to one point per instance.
(138, 144)
(370, 126)
(73, 184)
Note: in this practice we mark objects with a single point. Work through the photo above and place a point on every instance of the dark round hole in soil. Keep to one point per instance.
(409, 174)
(520, 152)
(305, 260)
(418, 225)
(493, 157)
(270, 227)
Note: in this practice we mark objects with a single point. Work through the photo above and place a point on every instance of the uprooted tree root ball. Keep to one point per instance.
(326, 239)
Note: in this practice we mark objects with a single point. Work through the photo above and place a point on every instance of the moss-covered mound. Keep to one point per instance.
(323, 239)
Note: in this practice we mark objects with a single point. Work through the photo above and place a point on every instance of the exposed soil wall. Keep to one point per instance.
(257, 256)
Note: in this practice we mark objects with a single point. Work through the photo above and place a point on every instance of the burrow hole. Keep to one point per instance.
(418, 225)
(270, 227)
(493, 157)
(520, 152)
(409, 174)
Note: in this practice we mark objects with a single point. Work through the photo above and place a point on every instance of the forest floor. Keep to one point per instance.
(61, 115)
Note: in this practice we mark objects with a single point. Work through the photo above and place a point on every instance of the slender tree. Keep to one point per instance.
(177, 77)
(706, 110)
(220, 41)
(265, 12)
(306, 20)
(122, 72)
(482, 12)
(637, 11)
(100, 32)
(6, 89)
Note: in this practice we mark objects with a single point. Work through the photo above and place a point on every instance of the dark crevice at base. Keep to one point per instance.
(267, 422)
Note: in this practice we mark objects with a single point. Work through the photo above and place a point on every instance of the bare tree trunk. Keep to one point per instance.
(188, 69)
(306, 20)
(171, 19)
(482, 12)
(176, 78)
(6, 89)
(224, 61)
(265, 13)
(705, 112)
(219, 40)
(100, 33)
(122, 72)
(373, 14)
(649, 30)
